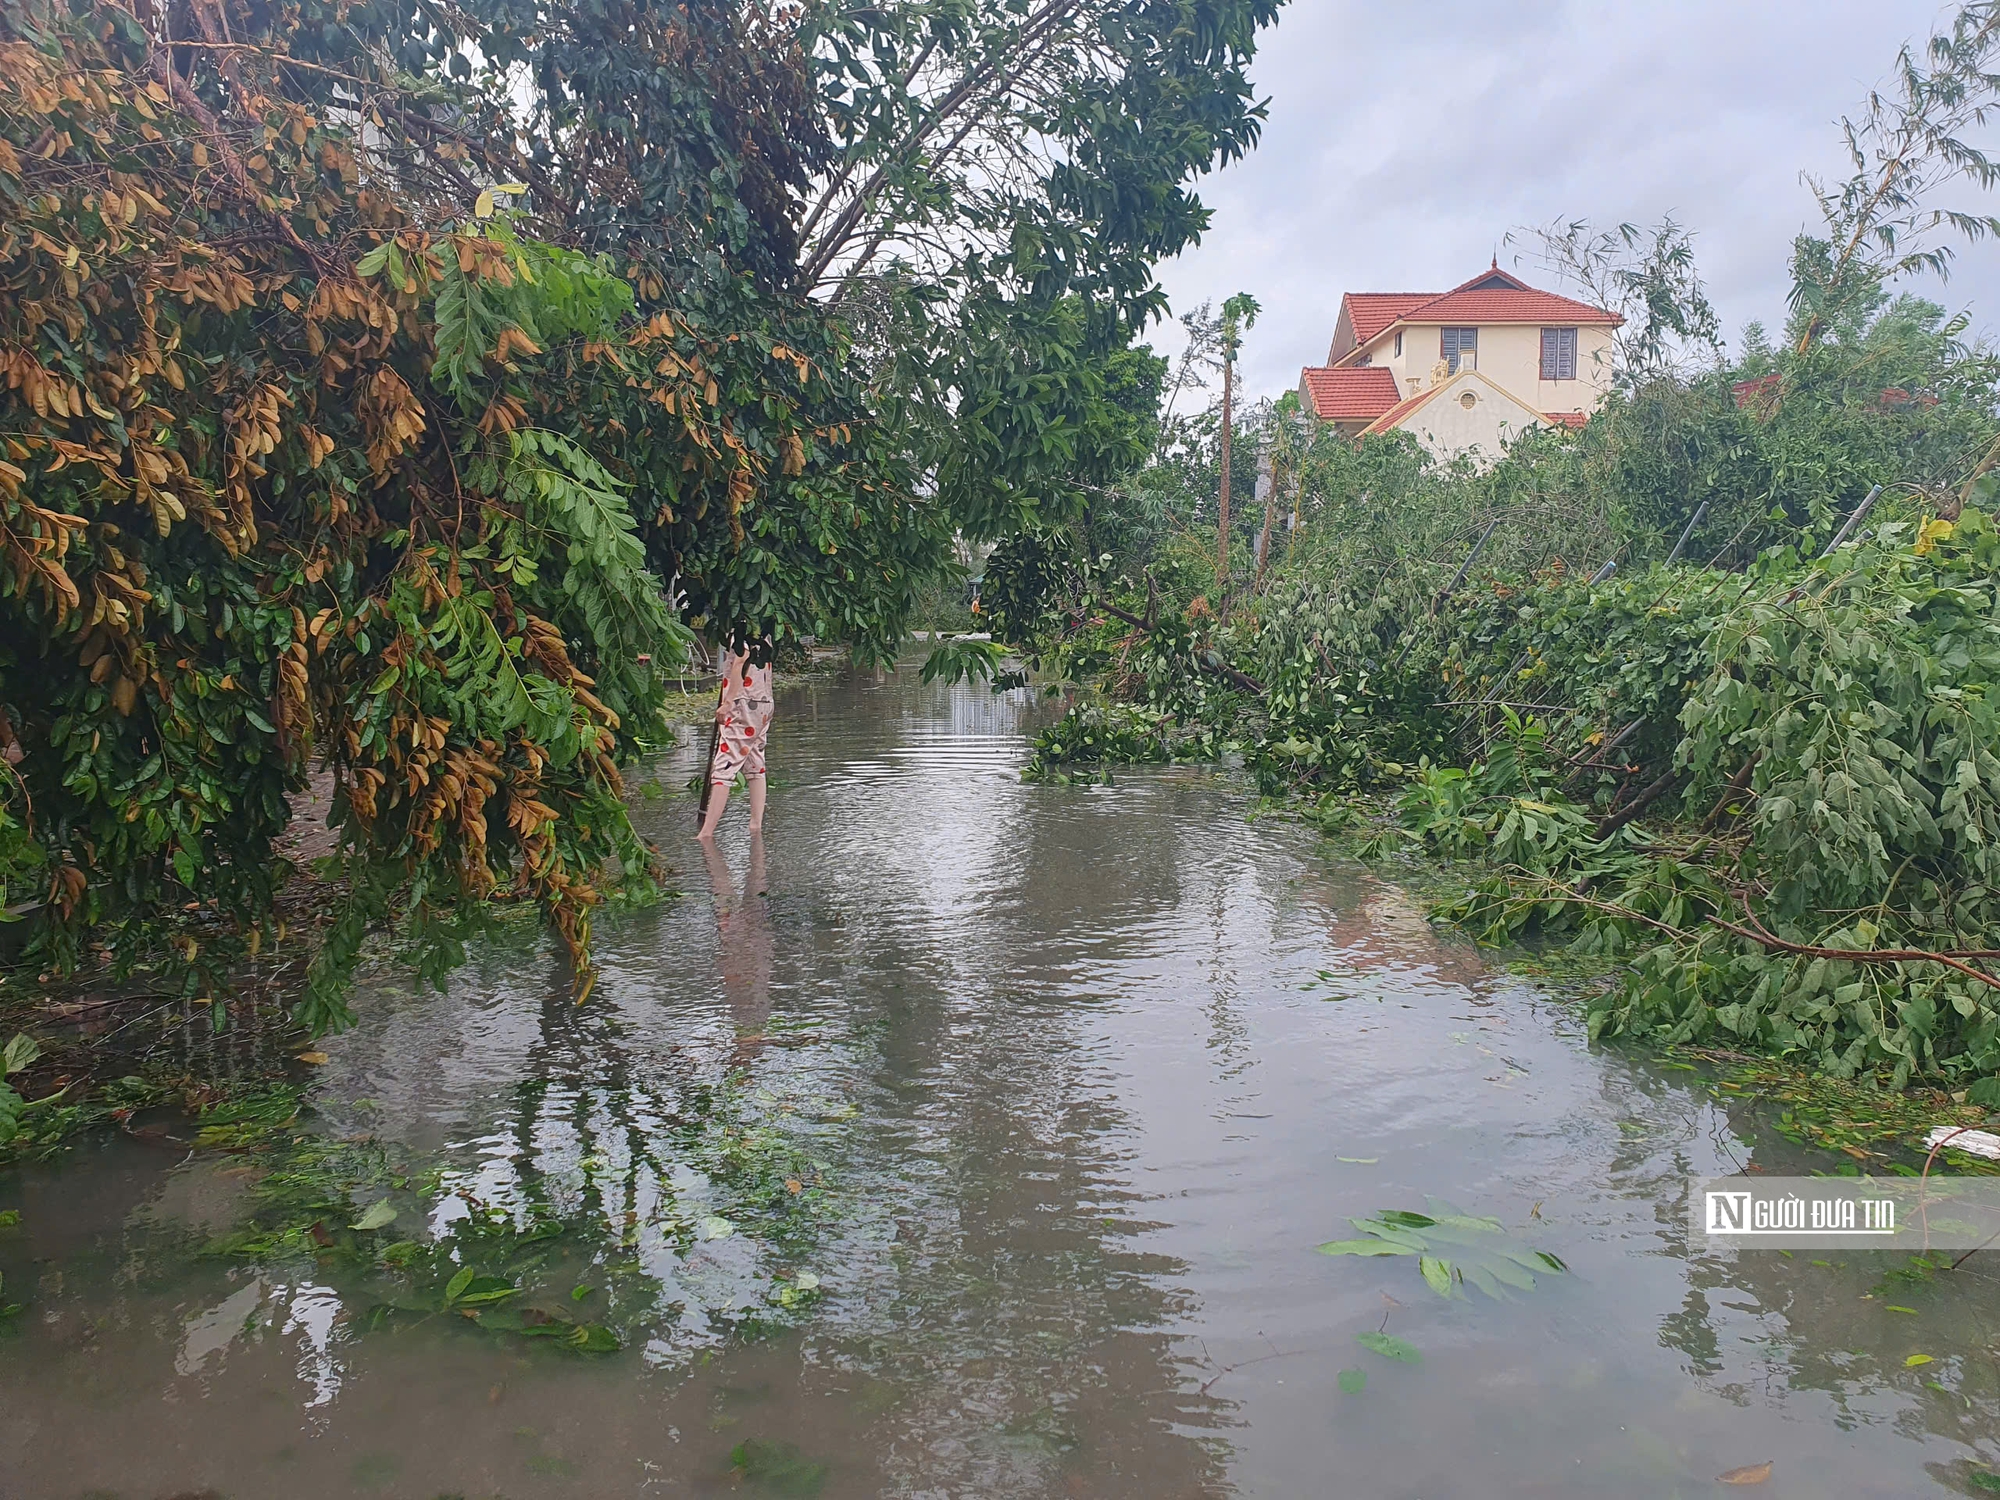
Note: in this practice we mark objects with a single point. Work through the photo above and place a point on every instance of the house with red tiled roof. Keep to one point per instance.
(1465, 370)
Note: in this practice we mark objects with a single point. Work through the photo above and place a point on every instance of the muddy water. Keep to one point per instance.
(1052, 1091)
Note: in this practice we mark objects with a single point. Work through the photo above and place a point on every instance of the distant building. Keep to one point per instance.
(1466, 370)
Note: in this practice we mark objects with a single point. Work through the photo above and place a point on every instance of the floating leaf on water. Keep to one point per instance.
(715, 1227)
(458, 1283)
(1480, 1252)
(1389, 1347)
(805, 1281)
(314, 1059)
(1353, 1382)
(1748, 1474)
(578, 1293)
(593, 1338)
(1437, 1273)
(484, 1289)
(1979, 1479)
(1916, 1359)
(1891, 1307)
(1359, 1161)
(380, 1215)
(1403, 1218)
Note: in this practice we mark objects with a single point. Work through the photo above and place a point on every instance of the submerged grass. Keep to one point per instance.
(414, 1242)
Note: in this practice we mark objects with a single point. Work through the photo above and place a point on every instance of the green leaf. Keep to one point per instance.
(1389, 1347)
(1353, 1382)
(483, 1290)
(458, 1283)
(594, 1338)
(1437, 1273)
(21, 1050)
(379, 1215)
(1365, 1247)
(1403, 1218)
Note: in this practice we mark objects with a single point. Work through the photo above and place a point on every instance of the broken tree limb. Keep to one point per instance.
(1208, 661)
(1738, 784)
(1951, 959)
(1640, 803)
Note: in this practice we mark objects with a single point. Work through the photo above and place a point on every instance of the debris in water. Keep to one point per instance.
(1748, 1474)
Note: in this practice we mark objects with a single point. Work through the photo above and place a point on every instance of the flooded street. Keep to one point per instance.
(974, 1138)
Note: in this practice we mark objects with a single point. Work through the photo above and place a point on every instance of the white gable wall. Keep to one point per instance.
(1447, 426)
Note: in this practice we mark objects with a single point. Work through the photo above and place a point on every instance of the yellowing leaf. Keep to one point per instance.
(482, 206)
(1748, 1474)
(1931, 533)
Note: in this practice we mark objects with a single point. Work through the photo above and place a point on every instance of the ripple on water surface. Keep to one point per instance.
(968, 1137)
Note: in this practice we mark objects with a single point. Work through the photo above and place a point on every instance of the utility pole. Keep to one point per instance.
(1238, 313)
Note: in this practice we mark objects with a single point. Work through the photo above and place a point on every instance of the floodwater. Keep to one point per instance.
(1052, 1091)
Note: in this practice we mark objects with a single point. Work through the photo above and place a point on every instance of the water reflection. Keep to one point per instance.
(967, 1137)
(744, 944)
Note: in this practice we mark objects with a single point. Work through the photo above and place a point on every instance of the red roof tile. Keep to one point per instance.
(1474, 308)
(1349, 394)
(1754, 391)
(1371, 312)
(1494, 296)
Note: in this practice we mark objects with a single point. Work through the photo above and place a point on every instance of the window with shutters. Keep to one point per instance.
(1457, 344)
(1558, 354)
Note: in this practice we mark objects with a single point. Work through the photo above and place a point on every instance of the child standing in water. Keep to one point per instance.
(742, 724)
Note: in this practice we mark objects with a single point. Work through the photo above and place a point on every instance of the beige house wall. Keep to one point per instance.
(1510, 355)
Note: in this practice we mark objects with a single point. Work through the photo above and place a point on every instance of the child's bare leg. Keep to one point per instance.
(756, 785)
(718, 799)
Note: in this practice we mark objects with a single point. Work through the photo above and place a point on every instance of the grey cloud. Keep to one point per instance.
(1404, 141)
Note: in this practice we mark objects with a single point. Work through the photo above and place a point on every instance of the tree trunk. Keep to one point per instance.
(1222, 527)
(1270, 522)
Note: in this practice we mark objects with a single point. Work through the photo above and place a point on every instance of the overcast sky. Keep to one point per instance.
(1404, 141)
